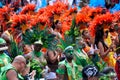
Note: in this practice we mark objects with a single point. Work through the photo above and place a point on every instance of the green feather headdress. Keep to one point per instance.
(48, 40)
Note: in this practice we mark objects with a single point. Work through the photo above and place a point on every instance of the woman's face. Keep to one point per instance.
(105, 35)
(59, 25)
(86, 34)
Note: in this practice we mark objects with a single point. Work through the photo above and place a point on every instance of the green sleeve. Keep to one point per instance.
(1, 63)
(61, 70)
(20, 77)
(9, 60)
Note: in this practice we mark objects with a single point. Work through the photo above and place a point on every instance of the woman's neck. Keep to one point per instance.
(57, 29)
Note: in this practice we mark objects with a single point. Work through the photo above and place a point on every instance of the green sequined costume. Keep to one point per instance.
(72, 72)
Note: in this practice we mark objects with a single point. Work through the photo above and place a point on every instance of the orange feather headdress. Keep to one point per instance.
(5, 13)
(117, 17)
(82, 18)
(28, 8)
(59, 8)
(18, 20)
(100, 21)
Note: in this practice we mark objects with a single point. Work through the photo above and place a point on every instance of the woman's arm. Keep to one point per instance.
(52, 57)
(102, 52)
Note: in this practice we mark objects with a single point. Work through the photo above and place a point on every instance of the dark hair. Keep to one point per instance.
(104, 10)
(107, 33)
(83, 32)
(55, 23)
(23, 2)
(99, 37)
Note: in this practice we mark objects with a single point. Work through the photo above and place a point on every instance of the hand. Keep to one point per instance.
(56, 53)
(25, 71)
(50, 30)
(33, 73)
(97, 51)
(112, 46)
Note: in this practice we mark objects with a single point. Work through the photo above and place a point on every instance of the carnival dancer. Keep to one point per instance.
(56, 29)
(113, 34)
(37, 57)
(100, 43)
(68, 69)
(81, 57)
(36, 53)
(92, 51)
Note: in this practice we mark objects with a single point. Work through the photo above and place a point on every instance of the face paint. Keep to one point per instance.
(69, 54)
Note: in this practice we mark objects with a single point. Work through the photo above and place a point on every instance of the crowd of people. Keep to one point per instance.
(59, 40)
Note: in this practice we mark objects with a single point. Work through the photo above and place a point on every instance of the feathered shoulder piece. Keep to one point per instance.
(91, 12)
(41, 11)
(18, 20)
(94, 12)
(82, 18)
(85, 10)
(43, 19)
(117, 17)
(73, 10)
(5, 13)
(59, 7)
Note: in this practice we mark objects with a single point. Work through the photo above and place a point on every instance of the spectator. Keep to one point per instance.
(15, 4)
(24, 2)
(115, 8)
(91, 73)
